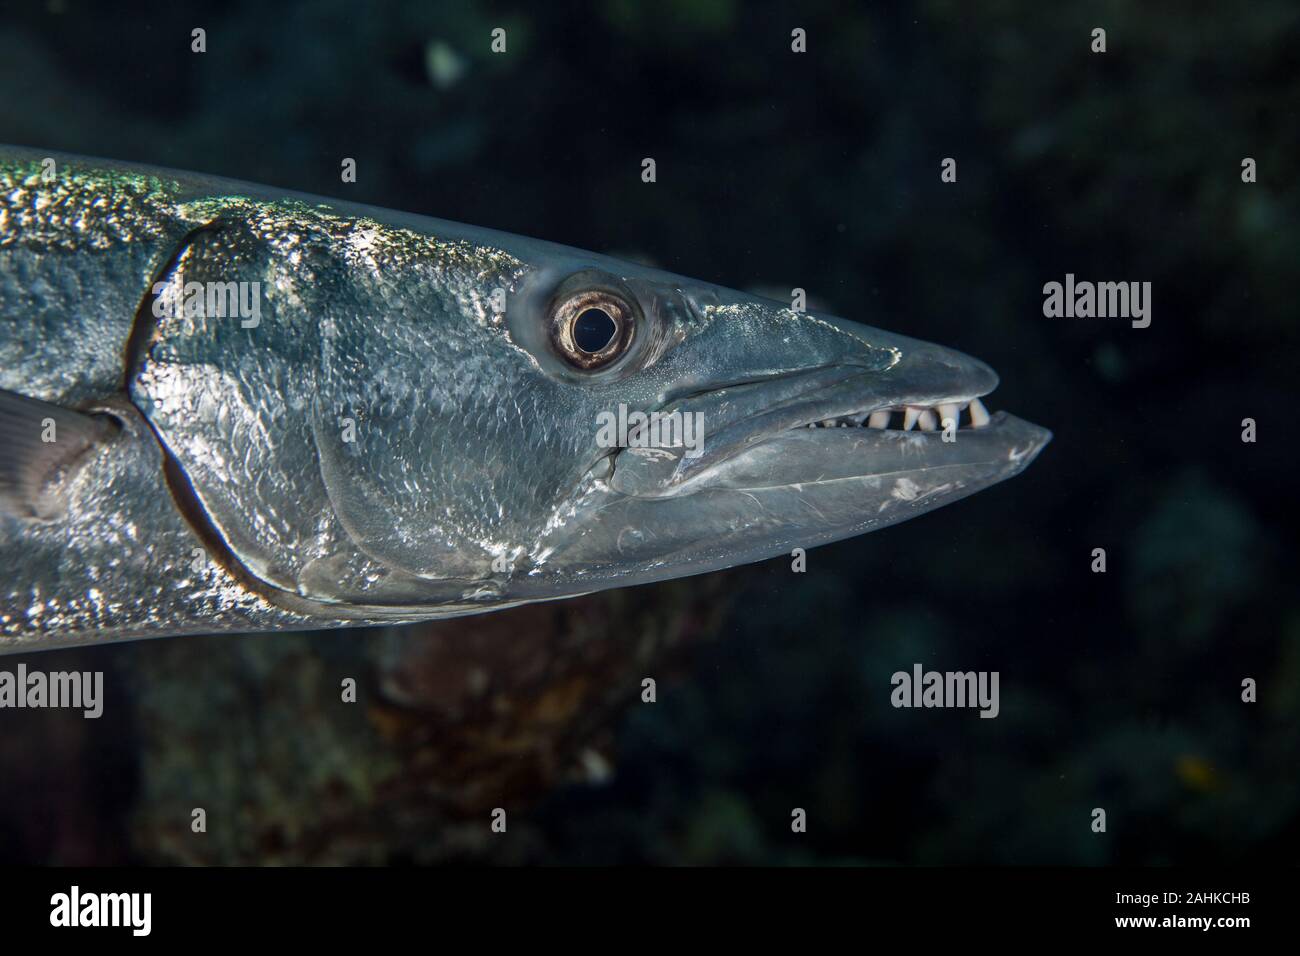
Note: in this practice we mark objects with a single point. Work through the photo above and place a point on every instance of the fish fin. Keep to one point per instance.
(40, 447)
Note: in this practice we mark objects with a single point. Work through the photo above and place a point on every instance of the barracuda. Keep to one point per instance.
(409, 428)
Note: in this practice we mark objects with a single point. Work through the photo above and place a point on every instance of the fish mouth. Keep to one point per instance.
(912, 458)
(920, 419)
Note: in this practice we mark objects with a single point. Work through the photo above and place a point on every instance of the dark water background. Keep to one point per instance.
(1119, 690)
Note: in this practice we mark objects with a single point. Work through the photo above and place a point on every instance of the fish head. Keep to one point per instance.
(653, 427)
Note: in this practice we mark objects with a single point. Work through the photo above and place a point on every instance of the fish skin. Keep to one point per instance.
(231, 499)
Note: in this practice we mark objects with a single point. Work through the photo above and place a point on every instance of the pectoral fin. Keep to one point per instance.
(41, 446)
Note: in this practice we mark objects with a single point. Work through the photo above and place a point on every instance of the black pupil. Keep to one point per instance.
(593, 330)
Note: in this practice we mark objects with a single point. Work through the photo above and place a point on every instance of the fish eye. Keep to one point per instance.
(591, 328)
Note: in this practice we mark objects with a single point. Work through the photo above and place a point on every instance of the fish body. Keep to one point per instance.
(231, 408)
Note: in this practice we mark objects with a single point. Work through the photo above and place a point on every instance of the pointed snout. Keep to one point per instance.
(924, 373)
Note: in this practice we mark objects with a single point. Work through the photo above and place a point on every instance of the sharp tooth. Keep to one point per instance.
(828, 423)
(946, 412)
(879, 420)
(910, 416)
(927, 421)
(979, 415)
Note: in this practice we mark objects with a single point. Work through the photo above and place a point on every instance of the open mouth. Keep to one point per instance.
(966, 414)
(838, 424)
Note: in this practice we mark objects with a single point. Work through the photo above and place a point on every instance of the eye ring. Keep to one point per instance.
(587, 318)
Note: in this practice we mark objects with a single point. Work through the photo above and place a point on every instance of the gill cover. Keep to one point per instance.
(309, 437)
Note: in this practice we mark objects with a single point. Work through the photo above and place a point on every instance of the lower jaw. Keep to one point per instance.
(809, 456)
